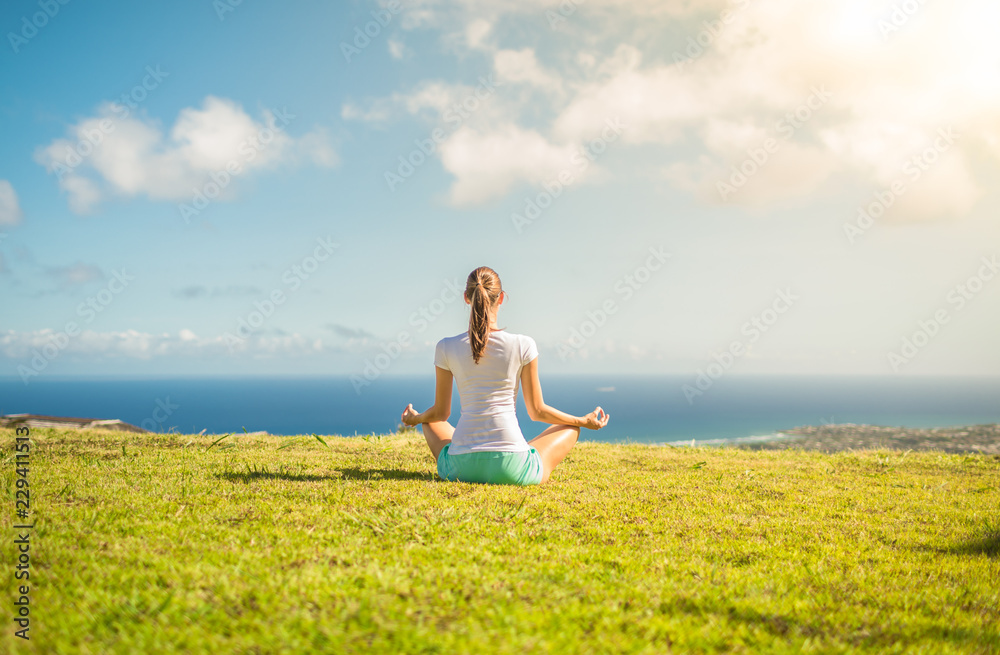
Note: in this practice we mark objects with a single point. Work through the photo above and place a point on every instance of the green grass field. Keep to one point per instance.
(259, 544)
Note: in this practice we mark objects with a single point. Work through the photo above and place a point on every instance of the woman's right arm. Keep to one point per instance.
(540, 412)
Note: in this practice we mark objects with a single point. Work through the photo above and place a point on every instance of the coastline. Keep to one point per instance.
(981, 439)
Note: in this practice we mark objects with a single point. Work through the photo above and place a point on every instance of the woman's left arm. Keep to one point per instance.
(442, 402)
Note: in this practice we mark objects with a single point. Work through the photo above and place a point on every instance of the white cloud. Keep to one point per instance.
(10, 208)
(315, 147)
(440, 13)
(435, 99)
(938, 179)
(476, 33)
(488, 164)
(397, 50)
(522, 66)
(948, 189)
(656, 104)
(84, 194)
(891, 93)
(133, 344)
(795, 171)
(118, 154)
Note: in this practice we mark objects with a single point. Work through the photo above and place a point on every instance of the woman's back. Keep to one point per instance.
(488, 364)
(487, 390)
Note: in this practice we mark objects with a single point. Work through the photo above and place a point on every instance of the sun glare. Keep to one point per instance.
(851, 24)
(974, 34)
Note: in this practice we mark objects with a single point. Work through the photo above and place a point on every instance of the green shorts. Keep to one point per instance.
(491, 467)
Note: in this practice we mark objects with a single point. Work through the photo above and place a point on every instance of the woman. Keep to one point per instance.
(487, 363)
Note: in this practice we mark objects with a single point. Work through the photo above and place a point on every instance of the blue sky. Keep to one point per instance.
(657, 183)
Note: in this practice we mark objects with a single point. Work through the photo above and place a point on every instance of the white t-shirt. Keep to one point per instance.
(488, 390)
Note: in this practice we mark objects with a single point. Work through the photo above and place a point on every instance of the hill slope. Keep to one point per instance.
(166, 543)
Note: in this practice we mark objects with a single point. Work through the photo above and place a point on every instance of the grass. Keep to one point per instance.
(260, 544)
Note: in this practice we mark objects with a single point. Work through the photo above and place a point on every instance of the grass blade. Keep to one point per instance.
(217, 441)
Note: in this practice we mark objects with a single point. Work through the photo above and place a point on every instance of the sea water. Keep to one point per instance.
(643, 409)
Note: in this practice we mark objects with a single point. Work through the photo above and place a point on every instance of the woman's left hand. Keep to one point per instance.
(409, 416)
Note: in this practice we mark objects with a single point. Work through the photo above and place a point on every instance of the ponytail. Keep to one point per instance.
(482, 289)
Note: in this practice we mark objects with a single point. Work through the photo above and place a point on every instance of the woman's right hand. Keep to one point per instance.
(596, 420)
(409, 416)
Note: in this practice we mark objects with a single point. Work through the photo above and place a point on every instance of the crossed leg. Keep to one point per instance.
(553, 445)
(438, 435)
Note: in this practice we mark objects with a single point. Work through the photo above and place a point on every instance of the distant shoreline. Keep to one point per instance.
(983, 439)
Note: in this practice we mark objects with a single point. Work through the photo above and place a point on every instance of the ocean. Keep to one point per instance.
(643, 409)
